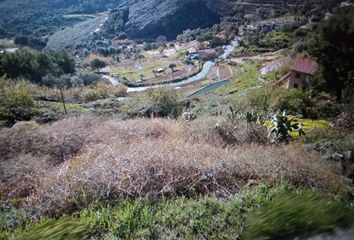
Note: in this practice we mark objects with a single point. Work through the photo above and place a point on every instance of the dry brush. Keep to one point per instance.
(56, 167)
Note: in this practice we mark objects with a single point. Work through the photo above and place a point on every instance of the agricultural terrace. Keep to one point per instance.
(155, 66)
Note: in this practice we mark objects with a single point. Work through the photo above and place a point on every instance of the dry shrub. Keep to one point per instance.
(222, 132)
(149, 158)
(154, 167)
(345, 121)
(20, 177)
(102, 91)
(61, 140)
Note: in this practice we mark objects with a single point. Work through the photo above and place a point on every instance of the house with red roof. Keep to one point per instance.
(301, 72)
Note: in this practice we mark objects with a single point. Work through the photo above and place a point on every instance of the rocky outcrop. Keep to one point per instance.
(149, 19)
(343, 158)
(152, 18)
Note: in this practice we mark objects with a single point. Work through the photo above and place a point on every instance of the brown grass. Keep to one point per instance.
(146, 158)
(221, 132)
(100, 90)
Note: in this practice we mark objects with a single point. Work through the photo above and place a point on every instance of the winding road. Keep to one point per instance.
(200, 76)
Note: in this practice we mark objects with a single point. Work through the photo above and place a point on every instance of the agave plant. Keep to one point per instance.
(282, 126)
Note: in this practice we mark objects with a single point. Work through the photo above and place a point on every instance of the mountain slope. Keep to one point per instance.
(151, 18)
(148, 19)
(41, 17)
(137, 19)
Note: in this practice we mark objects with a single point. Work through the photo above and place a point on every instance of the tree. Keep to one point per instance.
(16, 104)
(333, 47)
(21, 40)
(172, 66)
(142, 77)
(34, 66)
(65, 62)
(3, 32)
(97, 64)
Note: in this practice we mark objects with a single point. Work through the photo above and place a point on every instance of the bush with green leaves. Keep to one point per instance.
(293, 101)
(84, 79)
(34, 66)
(12, 218)
(331, 44)
(16, 104)
(97, 64)
(157, 102)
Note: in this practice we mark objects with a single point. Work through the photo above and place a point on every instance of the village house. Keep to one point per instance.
(301, 72)
(205, 54)
(208, 54)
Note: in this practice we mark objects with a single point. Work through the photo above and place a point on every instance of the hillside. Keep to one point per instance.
(149, 19)
(146, 19)
(152, 18)
(38, 18)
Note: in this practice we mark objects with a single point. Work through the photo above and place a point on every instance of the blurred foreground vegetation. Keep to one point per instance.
(263, 212)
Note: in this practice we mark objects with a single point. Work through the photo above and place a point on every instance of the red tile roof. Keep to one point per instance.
(305, 65)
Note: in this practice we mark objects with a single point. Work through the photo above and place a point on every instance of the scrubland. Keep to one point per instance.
(161, 171)
(50, 167)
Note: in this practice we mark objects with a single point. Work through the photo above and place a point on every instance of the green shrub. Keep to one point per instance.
(16, 104)
(324, 109)
(290, 214)
(97, 64)
(257, 100)
(96, 221)
(12, 218)
(134, 220)
(293, 101)
(103, 90)
(340, 138)
(158, 102)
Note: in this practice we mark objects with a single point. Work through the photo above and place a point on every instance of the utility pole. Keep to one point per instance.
(62, 99)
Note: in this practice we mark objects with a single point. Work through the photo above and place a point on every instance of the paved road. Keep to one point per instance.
(200, 76)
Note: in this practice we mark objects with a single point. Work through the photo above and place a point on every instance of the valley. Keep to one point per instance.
(166, 119)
